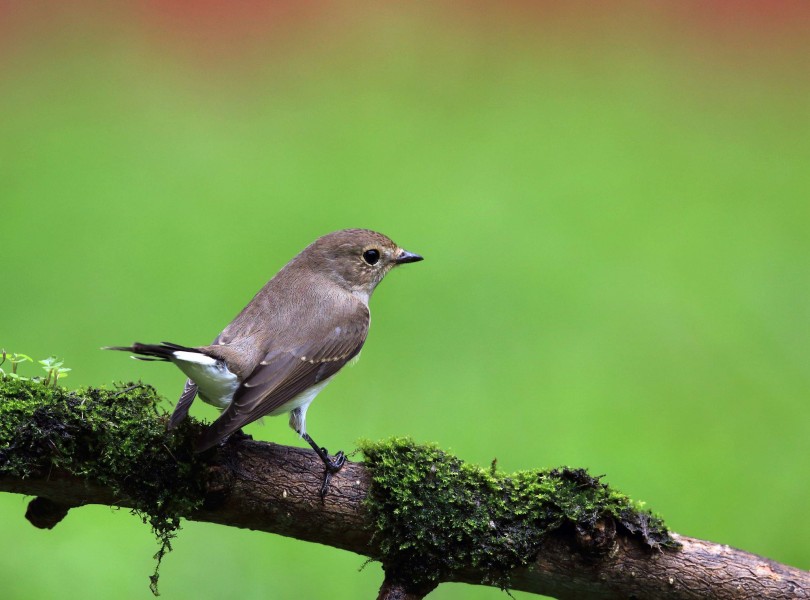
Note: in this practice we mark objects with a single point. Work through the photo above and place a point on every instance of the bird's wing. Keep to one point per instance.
(285, 373)
(183, 404)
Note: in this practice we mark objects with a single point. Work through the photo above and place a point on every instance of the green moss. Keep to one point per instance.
(116, 437)
(434, 514)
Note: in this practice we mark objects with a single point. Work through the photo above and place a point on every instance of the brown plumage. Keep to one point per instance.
(299, 330)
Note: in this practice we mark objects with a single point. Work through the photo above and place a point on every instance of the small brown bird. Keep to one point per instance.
(301, 328)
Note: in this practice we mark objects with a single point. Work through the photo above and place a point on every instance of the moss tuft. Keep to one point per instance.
(434, 514)
(116, 437)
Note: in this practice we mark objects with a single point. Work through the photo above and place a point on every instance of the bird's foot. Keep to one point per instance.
(332, 465)
(335, 465)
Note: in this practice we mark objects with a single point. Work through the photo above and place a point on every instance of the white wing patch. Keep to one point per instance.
(195, 358)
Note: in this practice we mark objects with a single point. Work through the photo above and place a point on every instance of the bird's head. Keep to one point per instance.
(356, 259)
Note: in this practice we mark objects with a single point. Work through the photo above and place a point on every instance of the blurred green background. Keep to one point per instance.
(612, 202)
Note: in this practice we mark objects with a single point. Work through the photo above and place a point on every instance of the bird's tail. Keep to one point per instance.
(162, 351)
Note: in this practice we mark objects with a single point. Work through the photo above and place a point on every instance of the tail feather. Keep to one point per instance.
(163, 351)
(166, 351)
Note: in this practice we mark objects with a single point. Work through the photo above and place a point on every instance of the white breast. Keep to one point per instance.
(297, 407)
(302, 400)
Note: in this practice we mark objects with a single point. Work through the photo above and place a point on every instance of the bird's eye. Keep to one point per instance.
(371, 256)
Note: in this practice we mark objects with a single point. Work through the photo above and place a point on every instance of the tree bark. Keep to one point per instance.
(267, 487)
(394, 590)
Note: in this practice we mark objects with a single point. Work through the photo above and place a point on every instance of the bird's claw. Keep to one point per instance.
(332, 467)
(337, 464)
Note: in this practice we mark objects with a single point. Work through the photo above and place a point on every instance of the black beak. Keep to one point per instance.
(406, 257)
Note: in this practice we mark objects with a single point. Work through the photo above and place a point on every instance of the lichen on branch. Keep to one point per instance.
(435, 514)
(425, 514)
(116, 437)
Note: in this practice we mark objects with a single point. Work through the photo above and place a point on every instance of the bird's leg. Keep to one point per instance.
(332, 466)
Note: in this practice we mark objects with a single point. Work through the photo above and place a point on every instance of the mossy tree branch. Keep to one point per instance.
(560, 533)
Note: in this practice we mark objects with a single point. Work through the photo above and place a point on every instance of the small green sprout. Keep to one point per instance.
(15, 359)
(54, 369)
(52, 366)
(17, 377)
